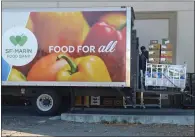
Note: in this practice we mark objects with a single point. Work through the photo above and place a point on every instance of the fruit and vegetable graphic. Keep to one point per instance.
(59, 28)
(15, 75)
(46, 68)
(29, 24)
(88, 68)
(110, 18)
(80, 30)
(114, 60)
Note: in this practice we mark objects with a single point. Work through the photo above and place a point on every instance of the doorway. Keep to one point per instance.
(155, 26)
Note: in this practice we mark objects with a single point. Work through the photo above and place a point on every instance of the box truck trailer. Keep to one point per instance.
(51, 55)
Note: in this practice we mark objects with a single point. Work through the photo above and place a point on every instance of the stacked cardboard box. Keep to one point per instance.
(154, 52)
(166, 52)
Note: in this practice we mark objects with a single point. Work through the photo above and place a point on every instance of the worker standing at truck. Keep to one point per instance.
(143, 58)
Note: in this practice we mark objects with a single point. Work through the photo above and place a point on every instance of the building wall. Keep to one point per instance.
(185, 19)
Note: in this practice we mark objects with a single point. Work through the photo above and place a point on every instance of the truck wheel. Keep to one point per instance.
(47, 103)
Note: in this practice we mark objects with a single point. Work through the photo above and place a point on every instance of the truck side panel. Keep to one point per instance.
(66, 47)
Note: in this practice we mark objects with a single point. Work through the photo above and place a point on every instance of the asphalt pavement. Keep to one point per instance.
(21, 121)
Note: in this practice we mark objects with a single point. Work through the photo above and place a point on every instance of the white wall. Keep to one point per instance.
(160, 29)
(185, 39)
(185, 19)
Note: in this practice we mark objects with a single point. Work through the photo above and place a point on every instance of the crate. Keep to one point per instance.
(165, 75)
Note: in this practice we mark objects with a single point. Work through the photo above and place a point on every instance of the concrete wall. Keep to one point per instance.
(185, 19)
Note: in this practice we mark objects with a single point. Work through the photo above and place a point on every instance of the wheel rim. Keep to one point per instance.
(44, 102)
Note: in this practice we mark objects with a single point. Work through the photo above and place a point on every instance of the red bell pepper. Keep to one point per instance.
(102, 33)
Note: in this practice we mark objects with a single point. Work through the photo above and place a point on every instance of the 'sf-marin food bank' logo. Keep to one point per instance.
(18, 40)
(19, 46)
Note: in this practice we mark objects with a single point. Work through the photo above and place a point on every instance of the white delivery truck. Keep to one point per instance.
(50, 55)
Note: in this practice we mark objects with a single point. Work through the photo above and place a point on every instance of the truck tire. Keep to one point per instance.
(47, 103)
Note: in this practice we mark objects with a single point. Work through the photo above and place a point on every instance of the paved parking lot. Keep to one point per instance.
(22, 122)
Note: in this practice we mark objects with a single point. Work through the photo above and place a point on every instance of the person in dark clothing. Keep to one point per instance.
(143, 58)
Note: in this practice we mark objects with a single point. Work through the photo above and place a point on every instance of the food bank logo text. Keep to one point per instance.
(19, 46)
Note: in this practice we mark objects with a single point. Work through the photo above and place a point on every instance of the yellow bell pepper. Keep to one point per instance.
(83, 69)
(16, 75)
(29, 24)
(59, 28)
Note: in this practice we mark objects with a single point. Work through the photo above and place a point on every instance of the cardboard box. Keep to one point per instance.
(154, 60)
(165, 41)
(154, 54)
(154, 47)
(153, 42)
(167, 47)
(166, 60)
(165, 54)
